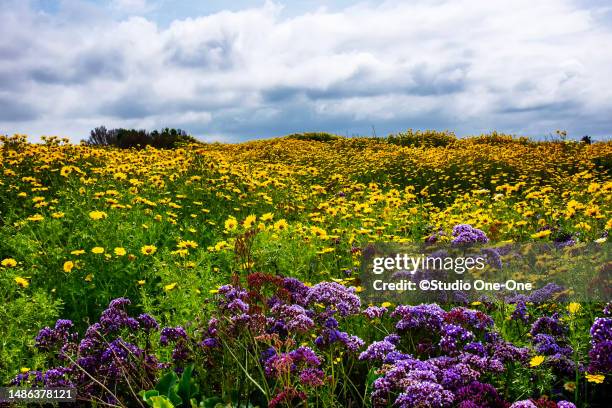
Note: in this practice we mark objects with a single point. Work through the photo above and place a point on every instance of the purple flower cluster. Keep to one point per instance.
(520, 312)
(425, 317)
(108, 356)
(601, 341)
(59, 337)
(331, 335)
(302, 362)
(465, 234)
(374, 312)
(548, 325)
(336, 297)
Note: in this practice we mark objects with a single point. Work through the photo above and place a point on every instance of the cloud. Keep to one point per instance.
(258, 72)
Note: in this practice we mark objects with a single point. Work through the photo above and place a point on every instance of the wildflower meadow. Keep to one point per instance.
(228, 275)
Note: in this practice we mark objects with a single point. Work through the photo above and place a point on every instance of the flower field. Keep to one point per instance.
(228, 274)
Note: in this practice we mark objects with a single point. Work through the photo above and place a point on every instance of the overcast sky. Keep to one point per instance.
(261, 69)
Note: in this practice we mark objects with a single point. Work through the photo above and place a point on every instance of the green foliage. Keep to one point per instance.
(422, 138)
(314, 136)
(166, 138)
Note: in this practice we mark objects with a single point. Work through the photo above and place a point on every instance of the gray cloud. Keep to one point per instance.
(463, 65)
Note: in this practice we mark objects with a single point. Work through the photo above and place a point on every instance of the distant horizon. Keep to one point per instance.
(552, 136)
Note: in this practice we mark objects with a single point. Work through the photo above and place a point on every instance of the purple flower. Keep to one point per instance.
(374, 312)
(305, 355)
(479, 395)
(545, 293)
(115, 317)
(428, 317)
(601, 330)
(520, 312)
(312, 377)
(465, 234)
(335, 296)
(169, 334)
(475, 348)
(565, 404)
(547, 325)
(601, 357)
(293, 317)
(377, 351)
(297, 289)
(493, 257)
(424, 395)
(148, 322)
(547, 345)
(523, 404)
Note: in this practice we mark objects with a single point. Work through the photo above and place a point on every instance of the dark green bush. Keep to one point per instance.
(167, 138)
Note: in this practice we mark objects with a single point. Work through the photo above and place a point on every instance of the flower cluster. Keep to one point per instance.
(106, 361)
(465, 234)
(601, 342)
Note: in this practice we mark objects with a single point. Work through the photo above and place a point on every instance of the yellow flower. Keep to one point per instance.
(77, 252)
(573, 307)
(97, 250)
(36, 218)
(541, 234)
(386, 304)
(187, 244)
(570, 386)
(22, 282)
(536, 361)
(249, 221)
(57, 215)
(280, 225)
(68, 265)
(595, 378)
(142, 282)
(148, 249)
(170, 286)
(89, 278)
(231, 224)
(8, 263)
(120, 251)
(24, 369)
(267, 217)
(97, 215)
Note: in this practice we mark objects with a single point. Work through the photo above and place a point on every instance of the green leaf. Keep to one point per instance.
(184, 386)
(160, 402)
(174, 397)
(146, 395)
(166, 383)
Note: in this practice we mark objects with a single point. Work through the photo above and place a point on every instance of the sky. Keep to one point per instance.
(241, 70)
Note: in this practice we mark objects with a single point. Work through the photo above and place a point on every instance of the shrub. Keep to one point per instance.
(166, 138)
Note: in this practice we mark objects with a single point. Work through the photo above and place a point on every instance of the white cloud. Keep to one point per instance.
(464, 65)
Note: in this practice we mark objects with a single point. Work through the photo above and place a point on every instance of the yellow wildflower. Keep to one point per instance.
(595, 378)
(170, 286)
(8, 263)
(536, 361)
(148, 249)
(97, 215)
(68, 266)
